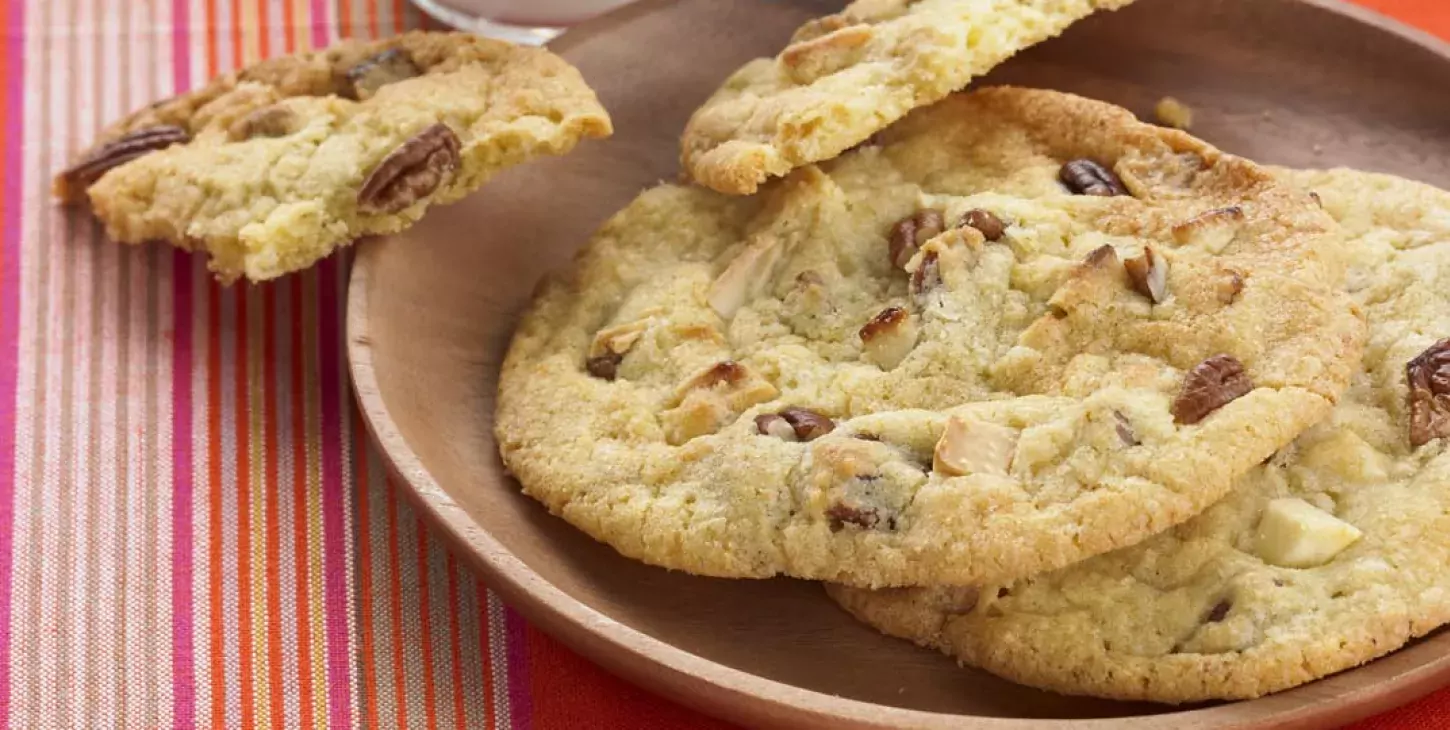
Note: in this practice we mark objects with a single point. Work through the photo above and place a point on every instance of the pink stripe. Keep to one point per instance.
(319, 24)
(10, 323)
(521, 710)
(183, 668)
(334, 542)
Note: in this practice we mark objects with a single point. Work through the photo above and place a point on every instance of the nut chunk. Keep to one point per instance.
(888, 338)
(1295, 534)
(411, 172)
(748, 273)
(794, 424)
(969, 446)
(911, 232)
(712, 398)
(1149, 274)
(1428, 376)
(609, 347)
(1210, 385)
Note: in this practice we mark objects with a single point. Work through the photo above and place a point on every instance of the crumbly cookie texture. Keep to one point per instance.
(846, 76)
(930, 360)
(1332, 553)
(273, 167)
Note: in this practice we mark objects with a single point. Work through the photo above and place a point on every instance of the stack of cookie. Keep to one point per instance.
(1075, 398)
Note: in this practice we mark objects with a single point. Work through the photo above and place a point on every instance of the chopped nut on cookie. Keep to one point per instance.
(1209, 386)
(969, 446)
(889, 337)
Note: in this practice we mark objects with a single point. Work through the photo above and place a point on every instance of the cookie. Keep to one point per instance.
(271, 168)
(1023, 329)
(1332, 553)
(846, 76)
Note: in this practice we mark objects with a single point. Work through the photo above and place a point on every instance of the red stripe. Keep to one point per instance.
(243, 453)
(395, 606)
(302, 557)
(272, 482)
(365, 574)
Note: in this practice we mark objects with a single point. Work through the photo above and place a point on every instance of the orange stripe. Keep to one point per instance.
(365, 573)
(272, 482)
(395, 604)
(289, 24)
(372, 18)
(454, 639)
(398, 16)
(299, 520)
(426, 626)
(264, 41)
(244, 513)
(344, 30)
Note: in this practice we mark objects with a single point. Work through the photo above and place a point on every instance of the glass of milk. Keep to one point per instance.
(522, 21)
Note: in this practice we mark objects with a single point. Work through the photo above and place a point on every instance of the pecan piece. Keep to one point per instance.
(986, 222)
(1209, 386)
(412, 171)
(926, 277)
(371, 74)
(803, 424)
(911, 232)
(72, 183)
(1428, 376)
(1149, 274)
(604, 367)
(1088, 177)
(841, 514)
(269, 121)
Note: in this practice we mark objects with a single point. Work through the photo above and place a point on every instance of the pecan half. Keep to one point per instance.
(986, 222)
(1088, 177)
(412, 171)
(371, 74)
(1209, 386)
(911, 232)
(1428, 376)
(807, 424)
(1149, 274)
(75, 179)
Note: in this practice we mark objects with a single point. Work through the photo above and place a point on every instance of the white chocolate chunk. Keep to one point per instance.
(968, 446)
(1295, 534)
(745, 277)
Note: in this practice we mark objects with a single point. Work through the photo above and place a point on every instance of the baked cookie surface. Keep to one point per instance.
(931, 360)
(1332, 553)
(845, 76)
(272, 167)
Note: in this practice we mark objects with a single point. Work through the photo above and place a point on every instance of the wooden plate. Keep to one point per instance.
(1299, 82)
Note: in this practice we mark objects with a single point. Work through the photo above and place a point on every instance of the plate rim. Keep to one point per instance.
(628, 652)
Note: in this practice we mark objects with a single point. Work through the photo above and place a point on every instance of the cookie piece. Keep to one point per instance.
(271, 168)
(929, 361)
(845, 76)
(1334, 552)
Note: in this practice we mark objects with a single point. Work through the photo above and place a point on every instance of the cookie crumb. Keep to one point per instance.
(1173, 113)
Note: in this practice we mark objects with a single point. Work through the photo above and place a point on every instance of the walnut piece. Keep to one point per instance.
(411, 172)
(986, 222)
(911, 232)
(969, 446)
(72, 183)
(1428, 377)
(1089, 177)
(371, 74)
(1213, 229)
(1149, 274)
(745, 277)
(888, 338)
(1209, 386)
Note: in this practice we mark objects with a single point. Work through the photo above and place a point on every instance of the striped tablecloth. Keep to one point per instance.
(194, 531)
